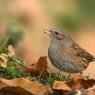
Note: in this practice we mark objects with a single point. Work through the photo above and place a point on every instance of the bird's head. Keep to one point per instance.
(57, 34)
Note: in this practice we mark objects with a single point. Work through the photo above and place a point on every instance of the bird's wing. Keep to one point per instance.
(70, 55)
(82, 53)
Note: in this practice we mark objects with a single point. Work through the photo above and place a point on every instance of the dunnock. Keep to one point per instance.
(65, 54)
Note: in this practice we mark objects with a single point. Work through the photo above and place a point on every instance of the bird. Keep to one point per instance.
(65, 54)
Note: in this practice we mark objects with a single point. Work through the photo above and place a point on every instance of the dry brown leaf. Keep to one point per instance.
(22, 86)
(39, 68)
(84, 84)
(81, 83)
(91, 91)
(77, 77)
(60, 85)
(11, 51)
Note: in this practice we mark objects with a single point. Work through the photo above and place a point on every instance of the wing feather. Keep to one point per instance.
(83, 53)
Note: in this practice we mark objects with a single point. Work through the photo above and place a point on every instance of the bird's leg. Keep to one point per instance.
(59, 73)
(68, 77)
(41, 74)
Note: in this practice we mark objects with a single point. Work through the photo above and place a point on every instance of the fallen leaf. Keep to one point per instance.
(40, 68)
(60, 85)
(78, 86)
(78, 77)
(81, 83)
(91, 91)
(22, 86)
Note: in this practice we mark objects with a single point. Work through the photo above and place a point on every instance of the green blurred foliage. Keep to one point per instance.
(69, 22)
(15, 34)
(87, 9)
(12, 37)
(73, 18)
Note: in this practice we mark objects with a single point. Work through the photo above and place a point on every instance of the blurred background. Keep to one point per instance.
(25, 20)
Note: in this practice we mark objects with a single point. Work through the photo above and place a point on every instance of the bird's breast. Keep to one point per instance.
(62, 60)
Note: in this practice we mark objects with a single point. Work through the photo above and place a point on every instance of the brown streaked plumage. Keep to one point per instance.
(65, 54)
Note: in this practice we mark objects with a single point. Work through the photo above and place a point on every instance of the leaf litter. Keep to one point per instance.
(16, 78)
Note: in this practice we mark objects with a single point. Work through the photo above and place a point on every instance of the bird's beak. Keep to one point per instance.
(47, 32)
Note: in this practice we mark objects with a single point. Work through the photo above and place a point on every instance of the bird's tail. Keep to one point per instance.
(93, 58)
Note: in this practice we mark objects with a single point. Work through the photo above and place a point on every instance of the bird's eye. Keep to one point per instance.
(56, 33)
